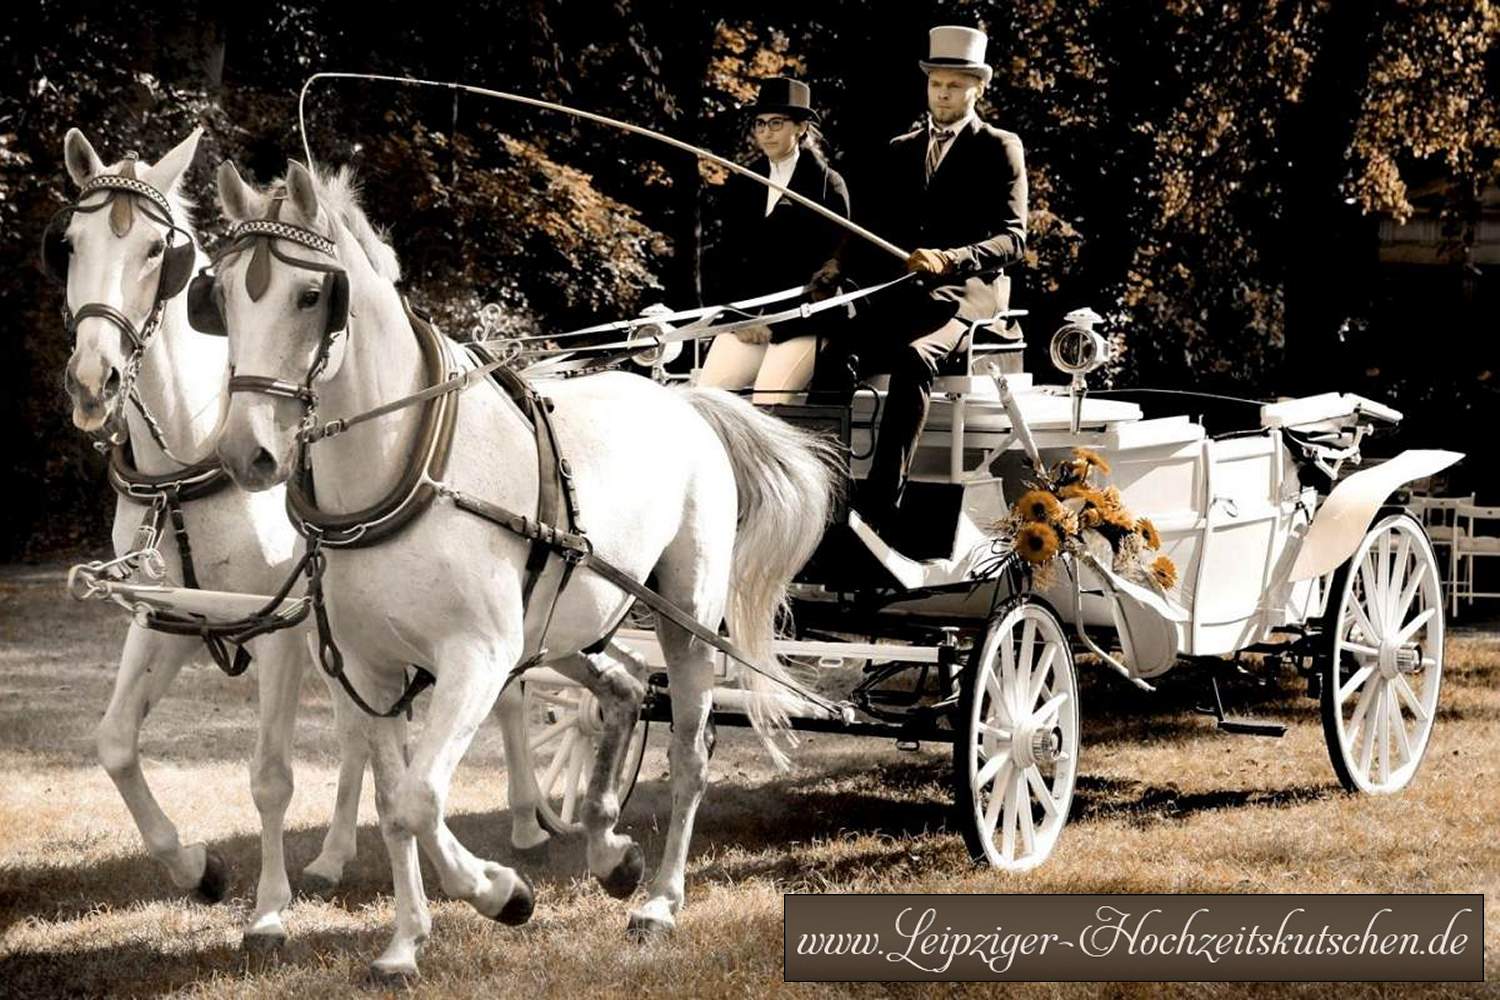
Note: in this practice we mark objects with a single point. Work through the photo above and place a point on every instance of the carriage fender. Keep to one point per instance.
(1345, 516)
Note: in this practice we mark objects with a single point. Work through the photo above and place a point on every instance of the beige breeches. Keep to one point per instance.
(777, 372)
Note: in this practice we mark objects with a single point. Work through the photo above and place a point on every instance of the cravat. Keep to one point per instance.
(939, 139)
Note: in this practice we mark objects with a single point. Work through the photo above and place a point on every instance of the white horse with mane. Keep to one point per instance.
(716, 502)
(111, 253)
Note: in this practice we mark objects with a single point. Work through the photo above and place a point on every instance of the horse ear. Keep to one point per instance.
(299, 184)
(80, 158)
(235, 195)
(164, 175)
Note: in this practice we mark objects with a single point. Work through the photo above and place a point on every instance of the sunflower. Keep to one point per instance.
(1037, 505)
(1149, 534)
(1036, 543)
(1092, 459)
(1078, 491)
(1164, 571)
(1090, 517)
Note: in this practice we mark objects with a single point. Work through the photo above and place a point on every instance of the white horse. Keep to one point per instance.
(715, 501)
(114, 257)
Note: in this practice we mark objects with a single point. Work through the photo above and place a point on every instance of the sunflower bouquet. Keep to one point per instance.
(1068, 512)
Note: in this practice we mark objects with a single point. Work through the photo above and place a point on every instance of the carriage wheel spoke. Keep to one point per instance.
(991, 767)
(1383, 733)
(1410, 697)
(1411, 627)
(553, 732)
(1043, 793)
(997, 732)
(575, 771)
(1356, 728)
(992, 812)
(1410, 592)
(556, 696)
(1023, 802)
(1008, 832)
(1007, 672)
(1362, 620)
(998, 704)
(1383, 577)
(1023, 667)
(1049, 710)
(1039, 677)
(1369, 599)
(1397, 580)
(1353, 684)
(1369, 728)
(1398, 729)
(549, 779)
(1360, 649)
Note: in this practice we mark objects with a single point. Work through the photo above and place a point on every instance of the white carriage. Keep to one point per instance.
(1281, 549)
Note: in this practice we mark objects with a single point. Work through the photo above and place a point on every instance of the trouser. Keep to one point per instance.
(912, 367)
(776, 371)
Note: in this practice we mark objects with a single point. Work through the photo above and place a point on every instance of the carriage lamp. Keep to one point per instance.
(655, 355)
(1077, 349)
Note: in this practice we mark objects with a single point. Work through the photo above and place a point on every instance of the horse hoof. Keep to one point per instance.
(393, 977)
(214, 884)
(643, 928)
(262, 945)
(518, 908)
(622, 880)
(317, 886)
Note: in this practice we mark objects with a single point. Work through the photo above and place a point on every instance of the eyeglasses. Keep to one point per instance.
(770, 124)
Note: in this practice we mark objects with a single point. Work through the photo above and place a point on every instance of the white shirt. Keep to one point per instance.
(955, 128)
(781, 173)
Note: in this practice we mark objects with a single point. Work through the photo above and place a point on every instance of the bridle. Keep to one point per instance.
(176, 267)
(205, 316)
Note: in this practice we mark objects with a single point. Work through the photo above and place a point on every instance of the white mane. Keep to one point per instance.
(338, 192)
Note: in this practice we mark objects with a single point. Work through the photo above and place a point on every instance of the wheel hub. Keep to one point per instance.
(1403, 659)
(1031, 746)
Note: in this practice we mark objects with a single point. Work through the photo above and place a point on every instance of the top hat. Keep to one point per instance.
(962, 49)
(785, 95)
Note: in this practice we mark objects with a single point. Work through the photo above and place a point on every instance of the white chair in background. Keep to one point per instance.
(1470, 543)
(1439, 515)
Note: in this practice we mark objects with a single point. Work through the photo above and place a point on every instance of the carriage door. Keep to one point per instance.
(1239, 534)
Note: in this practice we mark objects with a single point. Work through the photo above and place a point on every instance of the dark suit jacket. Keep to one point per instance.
(975, 206)
(760, 253)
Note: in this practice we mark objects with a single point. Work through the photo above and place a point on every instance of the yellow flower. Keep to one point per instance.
(1037, 505)
(1036, 543)
(1090, 518)
(1149, 534)
(1075, 491)
(1165, 572)
(1093, 459)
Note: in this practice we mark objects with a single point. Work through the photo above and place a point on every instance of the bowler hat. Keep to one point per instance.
(786, 96)
(953, 47)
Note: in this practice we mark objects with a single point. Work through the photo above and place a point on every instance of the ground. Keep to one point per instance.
(1164, 804)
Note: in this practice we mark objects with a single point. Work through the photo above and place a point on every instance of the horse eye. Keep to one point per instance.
(308, 298)
(155, 250)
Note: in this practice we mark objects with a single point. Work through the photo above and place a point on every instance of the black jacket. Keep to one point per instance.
(758, 253)
(975, 206)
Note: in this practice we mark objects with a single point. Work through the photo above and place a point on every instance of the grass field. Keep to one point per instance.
(1164, 804)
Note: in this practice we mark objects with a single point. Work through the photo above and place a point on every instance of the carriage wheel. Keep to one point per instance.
(1385, 662)
(1016, 751)
(563, 726)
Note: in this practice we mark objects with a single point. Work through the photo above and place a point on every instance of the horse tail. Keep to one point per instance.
(786, 483)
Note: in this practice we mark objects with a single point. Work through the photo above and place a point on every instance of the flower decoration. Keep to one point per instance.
(1066, 509)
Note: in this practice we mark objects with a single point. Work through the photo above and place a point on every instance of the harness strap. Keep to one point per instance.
(173, 501)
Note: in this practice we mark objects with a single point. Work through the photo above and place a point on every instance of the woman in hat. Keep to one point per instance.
(770, 243)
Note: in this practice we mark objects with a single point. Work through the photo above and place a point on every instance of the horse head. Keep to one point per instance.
(122, 251)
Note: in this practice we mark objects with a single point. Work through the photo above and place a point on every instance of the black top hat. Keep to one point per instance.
(785, 95)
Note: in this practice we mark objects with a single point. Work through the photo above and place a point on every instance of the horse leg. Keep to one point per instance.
(386, 743)
(691, 669)
(281, 665)
(614, 859)
(339, 843)
(526, 832)
(463, 696)
(148, 665)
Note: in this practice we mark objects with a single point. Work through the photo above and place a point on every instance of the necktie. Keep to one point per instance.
(940, 138)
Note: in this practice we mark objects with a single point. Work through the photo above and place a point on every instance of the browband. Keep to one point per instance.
(283, 231)
(117, 182)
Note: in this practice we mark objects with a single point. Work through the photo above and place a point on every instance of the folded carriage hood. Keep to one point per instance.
(1345, 516)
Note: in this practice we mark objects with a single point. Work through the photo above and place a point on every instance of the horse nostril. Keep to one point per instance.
(264, 463)
(112, 383)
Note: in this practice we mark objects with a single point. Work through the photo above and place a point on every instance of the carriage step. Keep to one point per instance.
(1235, 724)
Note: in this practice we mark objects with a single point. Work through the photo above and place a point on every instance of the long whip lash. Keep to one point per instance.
(534, 102)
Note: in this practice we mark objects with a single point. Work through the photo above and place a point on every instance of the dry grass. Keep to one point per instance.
(1166, 804)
